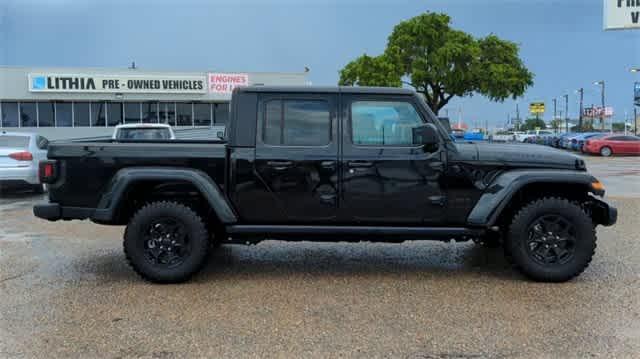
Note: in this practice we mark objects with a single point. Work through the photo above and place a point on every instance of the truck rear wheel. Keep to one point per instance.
(166, 242)
(551, 240)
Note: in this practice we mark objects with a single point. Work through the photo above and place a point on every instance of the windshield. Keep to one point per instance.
(14, 141)
(144, 134)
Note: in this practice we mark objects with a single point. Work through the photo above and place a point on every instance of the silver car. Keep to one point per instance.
(20, 154)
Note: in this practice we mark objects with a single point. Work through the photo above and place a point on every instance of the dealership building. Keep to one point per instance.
(61, 103)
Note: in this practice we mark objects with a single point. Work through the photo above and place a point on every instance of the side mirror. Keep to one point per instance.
(426, 135)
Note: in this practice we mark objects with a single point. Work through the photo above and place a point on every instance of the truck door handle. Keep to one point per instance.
(279, 165)
(359, 164)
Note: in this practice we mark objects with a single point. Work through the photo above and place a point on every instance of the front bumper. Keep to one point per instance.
(54, 212)
(603, 213)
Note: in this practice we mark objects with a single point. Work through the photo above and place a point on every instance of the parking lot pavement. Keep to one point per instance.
(66, 291)
(620, 175)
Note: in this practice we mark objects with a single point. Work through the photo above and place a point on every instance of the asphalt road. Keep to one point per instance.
(66, 291)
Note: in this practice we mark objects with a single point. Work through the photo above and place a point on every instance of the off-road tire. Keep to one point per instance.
(196, 233)
(516, 240)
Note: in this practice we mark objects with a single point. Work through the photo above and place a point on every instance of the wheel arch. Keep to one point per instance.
(144, 184)
(512, 189)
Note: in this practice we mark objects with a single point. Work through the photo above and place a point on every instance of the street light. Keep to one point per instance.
(601, 84)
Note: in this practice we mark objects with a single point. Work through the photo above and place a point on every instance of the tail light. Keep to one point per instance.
(21, 156)
(48, 171)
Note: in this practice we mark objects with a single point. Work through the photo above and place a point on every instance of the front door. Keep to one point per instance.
(385, 177)
(296, 158)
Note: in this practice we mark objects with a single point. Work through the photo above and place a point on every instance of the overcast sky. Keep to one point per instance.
(562, 42)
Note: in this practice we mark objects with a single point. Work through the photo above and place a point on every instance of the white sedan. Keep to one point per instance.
(20, 154)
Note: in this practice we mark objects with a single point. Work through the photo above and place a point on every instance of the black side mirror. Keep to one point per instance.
(426, 135)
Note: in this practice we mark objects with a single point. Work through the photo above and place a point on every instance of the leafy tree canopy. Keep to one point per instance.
(440, 62)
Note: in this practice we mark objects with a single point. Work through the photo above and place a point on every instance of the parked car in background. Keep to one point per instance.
(577, 143)
(613, 144)
(524, 136)
(143, 131)
(20, 154)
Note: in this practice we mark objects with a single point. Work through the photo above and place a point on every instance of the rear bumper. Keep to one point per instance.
(25, 174)
(54, 212)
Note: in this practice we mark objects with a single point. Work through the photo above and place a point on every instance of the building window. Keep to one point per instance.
(297, 123)
(132, 112)
(9, 114)
(150, 112)
(98, 115)
(221, 114)
(28, 114)
(63, 114)
(202, 114)
(46, 114)
(114, 113)
(168, 113)
(81, 114)
(184, 114)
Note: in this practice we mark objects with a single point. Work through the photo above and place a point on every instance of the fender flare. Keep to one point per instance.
(116, 189)
(499, 194)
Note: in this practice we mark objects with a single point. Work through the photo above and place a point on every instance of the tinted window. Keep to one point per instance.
(28, 115)
(98, 116)
(297, 123)
(63, 114)
(615, 138)
(183, 114)
(383, 123)
(46, 114)
(132, 112)
(202, 114)
(221, 114)
(114, 115)
(42, 143)
(144, 134)
(81, 113)
(14, 141)
(150, 112)
(9, 114)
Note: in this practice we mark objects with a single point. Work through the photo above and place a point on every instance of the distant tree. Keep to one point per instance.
(532, 123)
(440, 63)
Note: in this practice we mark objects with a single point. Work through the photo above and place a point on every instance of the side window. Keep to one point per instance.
(297, 123)
(616, 138)
(383, 123)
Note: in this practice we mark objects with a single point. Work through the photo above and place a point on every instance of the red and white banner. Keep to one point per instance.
(225, 83)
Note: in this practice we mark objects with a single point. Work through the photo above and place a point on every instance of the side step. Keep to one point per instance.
(343, 233)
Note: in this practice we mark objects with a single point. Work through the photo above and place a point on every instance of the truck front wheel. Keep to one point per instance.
(551, 240)
(166, 242)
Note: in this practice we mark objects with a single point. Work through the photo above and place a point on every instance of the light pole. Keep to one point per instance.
(635, 106)
(601, 83)
(554, 108)
(581, 109)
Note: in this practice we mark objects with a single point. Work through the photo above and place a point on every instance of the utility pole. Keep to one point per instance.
(566, 112)
(635, 120)
(581, 91)
(601, 83)
(554, 109)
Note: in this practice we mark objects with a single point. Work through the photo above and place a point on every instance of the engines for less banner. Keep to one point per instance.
(116, 84)
(225, 83)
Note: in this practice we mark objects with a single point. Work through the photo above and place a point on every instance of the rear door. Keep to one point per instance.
(296, 157)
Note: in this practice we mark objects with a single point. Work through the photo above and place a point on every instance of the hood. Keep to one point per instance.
(518, 155)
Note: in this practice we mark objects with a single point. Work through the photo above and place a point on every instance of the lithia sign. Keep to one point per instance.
(116, 84)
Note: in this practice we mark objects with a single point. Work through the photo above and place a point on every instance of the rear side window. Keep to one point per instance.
(297, 123)
(14, 141)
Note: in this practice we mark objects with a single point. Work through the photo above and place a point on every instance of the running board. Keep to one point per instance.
(409, 233)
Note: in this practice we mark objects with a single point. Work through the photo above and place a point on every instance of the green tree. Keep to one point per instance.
(440, 63)
(532, 123)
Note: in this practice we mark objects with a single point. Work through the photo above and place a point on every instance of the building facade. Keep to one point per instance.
(61, 103)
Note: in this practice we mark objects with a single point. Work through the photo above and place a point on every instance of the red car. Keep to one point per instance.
(613, 144)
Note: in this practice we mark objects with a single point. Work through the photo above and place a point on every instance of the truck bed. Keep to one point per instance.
(89, 166)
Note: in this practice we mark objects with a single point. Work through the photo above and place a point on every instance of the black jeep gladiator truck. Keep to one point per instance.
(328, 164)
